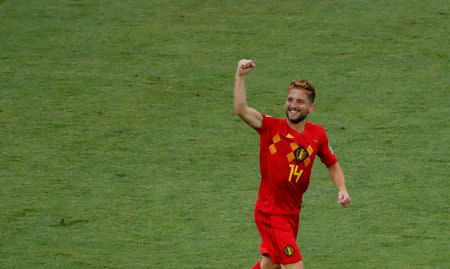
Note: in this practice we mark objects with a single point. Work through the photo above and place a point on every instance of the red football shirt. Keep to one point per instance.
(285, 160)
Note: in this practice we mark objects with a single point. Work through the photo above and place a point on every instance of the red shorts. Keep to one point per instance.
(278, 234)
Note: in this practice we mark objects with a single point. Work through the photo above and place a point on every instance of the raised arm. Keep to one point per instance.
(337, 175)
(250, 115)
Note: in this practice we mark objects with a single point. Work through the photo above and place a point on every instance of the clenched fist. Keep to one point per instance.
(245, 66)
(344, 199)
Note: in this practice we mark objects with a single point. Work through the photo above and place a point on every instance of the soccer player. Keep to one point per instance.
(288, 148)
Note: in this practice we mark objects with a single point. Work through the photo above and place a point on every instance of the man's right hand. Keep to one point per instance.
(250, 115)
(245, 66)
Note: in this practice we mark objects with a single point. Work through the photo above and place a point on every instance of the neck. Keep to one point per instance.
(298, 127)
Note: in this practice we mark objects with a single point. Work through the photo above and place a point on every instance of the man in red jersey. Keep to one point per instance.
(288, 148)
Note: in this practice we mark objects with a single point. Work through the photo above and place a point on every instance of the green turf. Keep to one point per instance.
(120, 149)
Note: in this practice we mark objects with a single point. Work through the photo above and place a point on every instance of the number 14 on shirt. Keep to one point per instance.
(295, 172)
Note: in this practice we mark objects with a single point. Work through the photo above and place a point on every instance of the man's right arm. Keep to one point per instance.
(250, 115)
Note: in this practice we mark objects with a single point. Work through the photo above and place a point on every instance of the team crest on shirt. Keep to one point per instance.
(301, 154)
(289, 250)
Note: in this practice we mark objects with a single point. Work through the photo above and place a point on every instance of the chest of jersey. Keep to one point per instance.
(291, 157)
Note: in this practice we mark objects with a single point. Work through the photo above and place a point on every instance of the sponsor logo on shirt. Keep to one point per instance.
(331, 149)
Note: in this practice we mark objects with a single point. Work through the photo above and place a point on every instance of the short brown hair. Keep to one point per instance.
(306, 86)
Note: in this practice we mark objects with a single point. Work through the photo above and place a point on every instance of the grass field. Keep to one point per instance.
(119, 147)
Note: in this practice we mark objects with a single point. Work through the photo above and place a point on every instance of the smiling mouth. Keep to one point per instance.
(295, 116)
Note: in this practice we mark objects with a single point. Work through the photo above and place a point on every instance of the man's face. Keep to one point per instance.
(297, 106)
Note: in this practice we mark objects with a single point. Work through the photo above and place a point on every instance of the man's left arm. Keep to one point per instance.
(337, 175)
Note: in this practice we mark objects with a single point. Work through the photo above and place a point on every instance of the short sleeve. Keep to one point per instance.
(326, 153)
(267, 123)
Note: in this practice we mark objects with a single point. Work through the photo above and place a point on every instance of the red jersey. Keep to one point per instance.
(285, 160)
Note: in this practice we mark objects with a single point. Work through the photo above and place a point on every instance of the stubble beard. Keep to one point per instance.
(299, 119)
